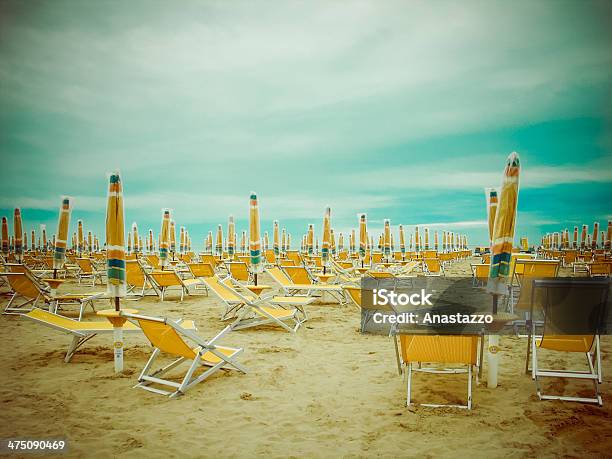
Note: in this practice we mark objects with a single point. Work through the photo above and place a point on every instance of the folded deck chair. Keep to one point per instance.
(163, 280)
(30, 292)
(569, 304)
(251, 311)
(290, 288)
(168, 337)
(444, 349)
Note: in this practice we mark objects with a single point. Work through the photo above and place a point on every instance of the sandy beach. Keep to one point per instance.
(326, 391)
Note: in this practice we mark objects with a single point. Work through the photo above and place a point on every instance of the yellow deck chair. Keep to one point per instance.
(87, 270)
(137, 280)
(239, 271)
(440, 349)
(523, 275)
(578, 305)
(291, 288)
(480, 274)
(201, 270)
(298, 274)
(31, 292)
(168, 337)
(153, 261)
(210, 259)
(599, 268)
(270, 257)
(163, 280)
(433, 267)
(295, 256)
(354, 294)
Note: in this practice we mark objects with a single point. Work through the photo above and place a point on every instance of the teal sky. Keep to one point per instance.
(404, 110)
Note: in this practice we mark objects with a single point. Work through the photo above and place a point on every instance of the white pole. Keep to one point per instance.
(118, 346)
(493, 361)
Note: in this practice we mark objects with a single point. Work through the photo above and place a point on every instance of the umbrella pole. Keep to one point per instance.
(493, 353)
(255, 278)
(118, 339)
(54, 273)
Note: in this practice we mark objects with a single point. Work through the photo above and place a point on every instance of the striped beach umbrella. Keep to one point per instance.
(284, 241)
(501, 251)
(129, 243)
(89, 242)
(436, 242)
(63, 222)
(80, 237)
(417, 239)
(255, 237)
(275, 240)
(387, 239)
(575, 243)
(402, 241)
(219, 242)
(326, 237)
(266, 242)
(33, 240)
(340, 242)
(25, 241)
(136, 238)
(43, 231)
(209, 243)
(18, 234)
(317, 245)
(426, 238)
(332, 242)
(243, 243)
(609, 236)
(164, 239)
(151, 249)
(231, 237)
(492, 202)
(503, 229)
(172, 238)
(352, 243)
(583, 237)
(310, 240)
(363, 237)
(595, 235)
(182, 239)
(74, 242)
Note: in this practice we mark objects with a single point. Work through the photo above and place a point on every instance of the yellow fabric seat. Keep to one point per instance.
(567, 343)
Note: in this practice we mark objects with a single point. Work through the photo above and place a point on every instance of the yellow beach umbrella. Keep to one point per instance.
(332, 242)
(243, 243)
(283, 240)
(266, 242)
(89, 241)
(402, 242)
(426, 238)
(492, 202)
(326, 238)
(340, 242)
(172, 238)
(255, 237)
(231, 237)
(80, 237)
(135, 238)
(417, 239)
(436, 242)
(501, 250)
(63, 222)
(575, 243)
(129, 243)
(25, 241)
(595, 235)
(43, 230)
(33, 240)
(182, 239)
(310, 240)
(151, 248)
(387, 239)
(583, 237)
(18, 231)
(363, 237)
(164, 239)
(275, 240)
(609, 236)
(352, 241)
(219, 242)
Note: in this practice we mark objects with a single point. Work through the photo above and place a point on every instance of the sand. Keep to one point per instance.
(327, 391)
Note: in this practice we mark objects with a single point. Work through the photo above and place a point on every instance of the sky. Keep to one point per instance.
(399, 109)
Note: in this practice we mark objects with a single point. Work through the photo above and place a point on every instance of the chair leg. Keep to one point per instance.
(408, 382)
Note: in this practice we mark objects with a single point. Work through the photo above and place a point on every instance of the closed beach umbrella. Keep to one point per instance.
(243, 243)
(115, 258)
(43, 230)
(310, 240)
(25, 241)
(332, 242)
(352, 241)
(89, 241)
(129, 243)
(33, 240)
(219, 241)
(426, 238)
(164, 238)
(275, 240)
(209, 243)
(387, 239)
(266, 242)
(326, 237)
(417, 239)
(182, 239)
(436, 242)
(340, 242)
(172, 238)
(151, 241)
(284, 240)
(402, 241)
(595, 235)
(363, 237)
(80, 237)
(575, 244)
(18, 232)
(503, 239)
(492, 200)
(583, 237)
(63, 222)
(136, 238)
(231, 237)
(255, 237)
(609, 236)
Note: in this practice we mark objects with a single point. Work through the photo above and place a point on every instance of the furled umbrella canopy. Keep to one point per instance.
(80, 237)
(164, 238)
(172, 237)
(255, 236)
(492, 202)
(18, 232)
(363, 237)
(426, 238)
(609, 236)
(219, 241)
(387, 239)
(436, 242)
(326, 238)
(595, 235)
(575, 243)
(182, 240)
(583, 237)
(135, 238)
(275, 240)
(43, 230)
(417, 239)
(310, 240)
(61, 241)
(115, 243)
(231, 237)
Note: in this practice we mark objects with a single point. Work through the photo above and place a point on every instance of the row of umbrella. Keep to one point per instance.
(584, 240)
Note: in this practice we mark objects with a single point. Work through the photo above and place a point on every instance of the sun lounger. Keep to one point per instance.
(184, 345)
(291, 288)
(164, 280)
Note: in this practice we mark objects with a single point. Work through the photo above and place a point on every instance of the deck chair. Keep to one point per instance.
(599, 269)
(353, 293)
(576, 305)
(440, 349)
(210, 259)
(239, 271)
(294, 256)
(480, 274)
(153, 261)
(87, 270)
(137, 280)
(235, 301)
(523, 274)
(168, 337)
(163, 280)
(433, 267)
(81, 332)
(290, 288)
(31, 293)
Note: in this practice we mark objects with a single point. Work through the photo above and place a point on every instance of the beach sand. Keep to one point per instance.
(326, 391)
